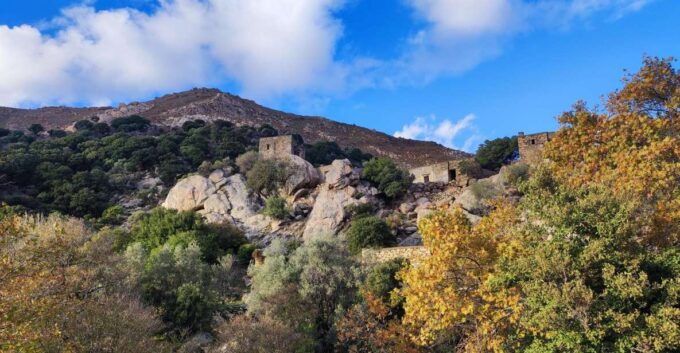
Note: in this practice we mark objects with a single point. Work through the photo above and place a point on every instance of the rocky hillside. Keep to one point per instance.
(212, 104)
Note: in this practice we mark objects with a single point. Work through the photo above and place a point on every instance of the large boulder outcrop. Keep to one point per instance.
(190, 194)
(302, 175)
(219, 198)
(341, 189)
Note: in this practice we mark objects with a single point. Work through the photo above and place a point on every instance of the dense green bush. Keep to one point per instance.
(267, 176)
(492, 154)
(516, 173)
(387, 177)
(381, 279)
(367, 232)
(360, 210)
(276, 207)
(484, 190)
(305, 286)
(470, 168)
(246, 161)
(78, 173)
(35, 129)
(161, 226)
(325, 152)
(83, 125)
(245, 253)
(176, 280)
(130, 123)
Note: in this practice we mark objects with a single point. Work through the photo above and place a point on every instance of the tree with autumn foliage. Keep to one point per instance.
(588, 261)
(60, 291)
(445, 295)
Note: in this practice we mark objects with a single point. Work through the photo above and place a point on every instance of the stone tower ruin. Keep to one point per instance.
(282, 146)
(531, 146)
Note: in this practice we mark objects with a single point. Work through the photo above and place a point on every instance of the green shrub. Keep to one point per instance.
(360, 210)
(246, 161)
(492, 154)
(83, 125)
(387, 177)
(267, 176)
(471, 168)
(175, 280)
(161, 226)
(113, 215)
(276, 207)
(484, 190)
(35, 129)
(367, 232)
(245, 253)
(130, 123)
(516, 173)
(381, 280)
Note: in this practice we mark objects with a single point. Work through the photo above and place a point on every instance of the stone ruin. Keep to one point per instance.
(282, 146)
(531, 146)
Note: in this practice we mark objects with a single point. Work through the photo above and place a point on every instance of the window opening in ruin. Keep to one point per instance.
(533, 142)
(452, 174)
(268, 147)
(426, 178)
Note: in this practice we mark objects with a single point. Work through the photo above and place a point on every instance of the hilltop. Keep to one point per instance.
(212, 104)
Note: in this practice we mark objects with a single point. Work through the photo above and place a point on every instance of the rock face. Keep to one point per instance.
(219, 199)
(189, 194)
(303, 175)
(341, 189)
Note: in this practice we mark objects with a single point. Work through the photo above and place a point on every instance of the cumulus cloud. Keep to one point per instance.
(442, 131)
(267, 47)
(459, 34)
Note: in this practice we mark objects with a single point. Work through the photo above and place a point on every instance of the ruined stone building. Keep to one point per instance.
(531, 146)
(281, 146)
(443, 172)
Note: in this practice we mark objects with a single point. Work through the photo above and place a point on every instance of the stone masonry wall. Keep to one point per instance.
(279, 146)
(531, 146)
(444, 172)
(414, 254)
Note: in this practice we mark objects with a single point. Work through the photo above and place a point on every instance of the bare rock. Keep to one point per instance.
(189, 194)
(412, 241)
(217, 203)
(406, 207)
(341, 174)
(303, 175)
(328, 212)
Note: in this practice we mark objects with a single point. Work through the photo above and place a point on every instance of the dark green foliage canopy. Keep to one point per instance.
(267, 176)
(368, 232)
(36, 129)
(130, 123)
(387, 177)
(275, 207)
(79, 173)
(492, 154)
(325, 152)
(161, 226)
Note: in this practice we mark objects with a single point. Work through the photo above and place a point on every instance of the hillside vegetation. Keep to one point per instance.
(585, 259)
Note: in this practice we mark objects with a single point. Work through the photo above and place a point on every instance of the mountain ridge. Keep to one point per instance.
(212, 104)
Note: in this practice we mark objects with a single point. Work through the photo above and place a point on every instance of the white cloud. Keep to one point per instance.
(444, 132)
(459, 34)
(268, 47)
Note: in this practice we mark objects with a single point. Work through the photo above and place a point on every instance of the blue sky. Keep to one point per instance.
(453, 71)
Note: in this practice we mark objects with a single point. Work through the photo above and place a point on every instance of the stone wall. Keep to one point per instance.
(444, 172)
(281, 146)
(531, 146)
(414, 254)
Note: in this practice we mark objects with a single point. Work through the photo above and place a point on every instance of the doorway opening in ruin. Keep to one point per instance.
(452, 174)
(426, 178)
